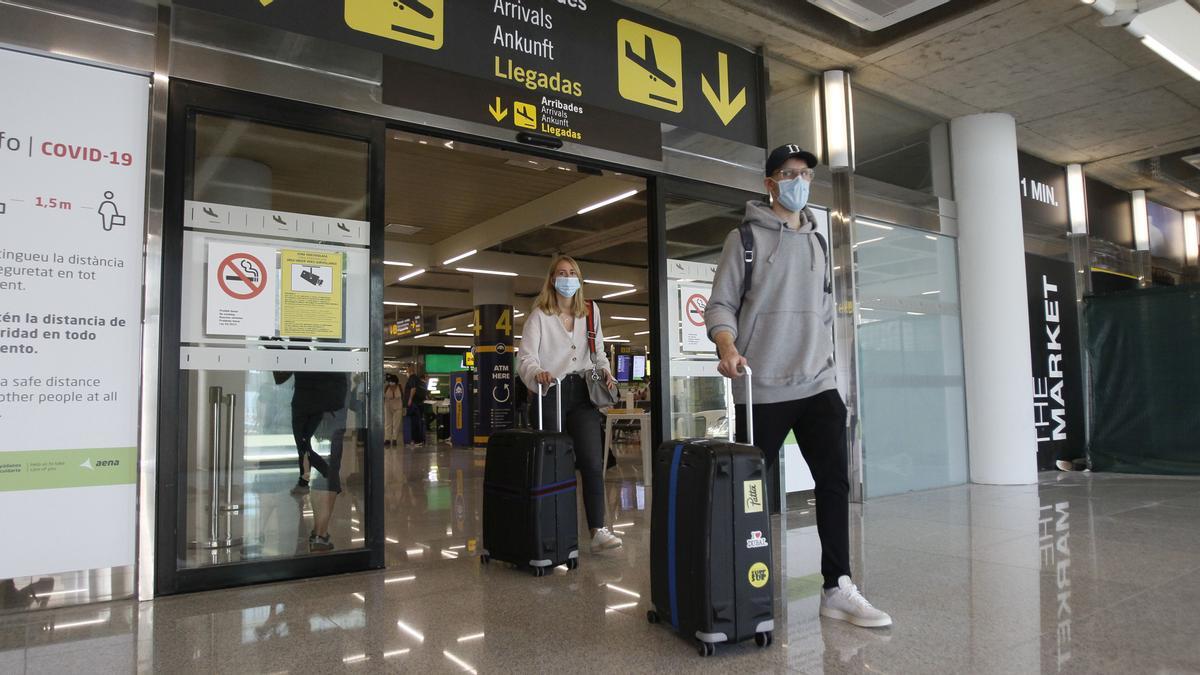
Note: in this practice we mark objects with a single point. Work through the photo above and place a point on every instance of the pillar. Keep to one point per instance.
(995, 316)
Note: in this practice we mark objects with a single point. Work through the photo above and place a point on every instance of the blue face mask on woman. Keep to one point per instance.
(566, 286)
(793, 194)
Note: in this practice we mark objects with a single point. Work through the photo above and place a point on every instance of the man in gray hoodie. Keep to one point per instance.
(779, 321)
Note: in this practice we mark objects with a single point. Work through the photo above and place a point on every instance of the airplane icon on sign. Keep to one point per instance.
(650, 64)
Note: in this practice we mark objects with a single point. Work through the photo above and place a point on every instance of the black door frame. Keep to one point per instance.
(186, 99)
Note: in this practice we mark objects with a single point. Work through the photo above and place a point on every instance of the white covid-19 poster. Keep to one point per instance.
(72, 206)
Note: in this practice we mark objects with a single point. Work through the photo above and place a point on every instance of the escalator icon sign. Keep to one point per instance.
(649, 66)
(416, 22)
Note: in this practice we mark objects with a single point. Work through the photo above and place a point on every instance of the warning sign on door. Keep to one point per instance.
(311, 298)
(693, 300)
(241, 290)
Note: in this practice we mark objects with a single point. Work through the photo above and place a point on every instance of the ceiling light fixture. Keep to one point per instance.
(457, 346)
(1076, 199)
(460, 256)
(1191, 238)
(627, 318)
(475, 270)
(608, 283)
(606, 202)
(448, 330)
(410, 275)
(645, 332)
(868, 241)
(389, 343)
(422, 335)
(1141, 221)
(397, 263)
(868, 223)
(618, 293)
(395, 303)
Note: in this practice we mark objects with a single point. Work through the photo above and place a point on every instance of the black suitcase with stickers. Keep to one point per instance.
(710, 555)
(529, 513)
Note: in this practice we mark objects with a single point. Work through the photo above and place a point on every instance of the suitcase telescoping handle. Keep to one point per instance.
(749, 406)
(541, 418)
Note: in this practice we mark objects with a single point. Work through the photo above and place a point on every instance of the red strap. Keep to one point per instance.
(591, 327)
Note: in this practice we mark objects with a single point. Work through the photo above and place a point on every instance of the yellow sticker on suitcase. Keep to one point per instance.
(752, 496)
(758, 575)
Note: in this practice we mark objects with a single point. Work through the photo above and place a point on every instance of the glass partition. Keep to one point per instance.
(912, 398)
(274, 343)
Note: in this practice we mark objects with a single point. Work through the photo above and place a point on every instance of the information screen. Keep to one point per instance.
(639, 367)
(624, 367)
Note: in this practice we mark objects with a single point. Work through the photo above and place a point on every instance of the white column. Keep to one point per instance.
(991, 250)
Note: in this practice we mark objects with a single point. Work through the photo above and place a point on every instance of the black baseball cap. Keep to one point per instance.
(785, 152)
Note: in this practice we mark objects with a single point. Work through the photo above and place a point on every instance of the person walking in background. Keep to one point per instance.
(317, 396)
(393, 410)
(556, 344)
(772, 308)
(414, 401)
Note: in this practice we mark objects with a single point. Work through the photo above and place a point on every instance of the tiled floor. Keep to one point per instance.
(1083, 573)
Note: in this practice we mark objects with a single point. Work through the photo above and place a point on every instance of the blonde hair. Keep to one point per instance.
(547, 300)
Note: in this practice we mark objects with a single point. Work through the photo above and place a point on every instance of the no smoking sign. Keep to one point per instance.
(694, 309)
(242, 276)
(241, 291)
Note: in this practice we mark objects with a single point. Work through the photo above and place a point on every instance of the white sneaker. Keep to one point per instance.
(605, 540)
(847, 604)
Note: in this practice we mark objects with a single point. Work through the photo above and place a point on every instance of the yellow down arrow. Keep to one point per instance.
(498, 110)
(725, 107)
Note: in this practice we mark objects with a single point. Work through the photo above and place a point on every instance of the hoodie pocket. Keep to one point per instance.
(788, 348)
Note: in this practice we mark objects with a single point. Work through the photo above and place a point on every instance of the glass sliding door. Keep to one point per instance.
(913, 405)
(272, 449)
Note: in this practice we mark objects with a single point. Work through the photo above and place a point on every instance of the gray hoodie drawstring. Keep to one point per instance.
(778, 244)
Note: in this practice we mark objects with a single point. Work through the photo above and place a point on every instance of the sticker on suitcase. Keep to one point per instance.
(759, 574)
(756, 540)
(752, 493)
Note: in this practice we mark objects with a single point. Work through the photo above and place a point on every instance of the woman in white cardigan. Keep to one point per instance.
(555, 344)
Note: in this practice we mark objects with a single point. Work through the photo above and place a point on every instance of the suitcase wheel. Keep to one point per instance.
(485, 558)
(763, 639)
(573, 564)
(652, 616)
(705, 648)
(539, 571)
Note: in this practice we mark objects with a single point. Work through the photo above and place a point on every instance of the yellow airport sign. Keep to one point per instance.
(725, 106)
(416, 22)
(499, 112)
(525, 115)
(649, 66)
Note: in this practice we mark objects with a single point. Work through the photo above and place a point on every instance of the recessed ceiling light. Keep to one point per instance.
(475, 270)
(618, 293)
(460, 256)
(606, 202)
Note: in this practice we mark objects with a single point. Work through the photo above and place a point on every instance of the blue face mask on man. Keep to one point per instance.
(793, 194)
(566, 286)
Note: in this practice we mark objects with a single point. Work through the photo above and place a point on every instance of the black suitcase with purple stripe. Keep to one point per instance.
(529, 512)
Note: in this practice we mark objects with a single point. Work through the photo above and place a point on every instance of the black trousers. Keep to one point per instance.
(583, 423)
(304, 427)
(819, 423)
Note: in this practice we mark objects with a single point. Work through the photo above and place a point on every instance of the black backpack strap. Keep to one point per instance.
(747, 256)
(828, 273)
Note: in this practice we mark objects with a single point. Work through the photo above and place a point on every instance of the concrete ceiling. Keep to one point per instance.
(1080, 92)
